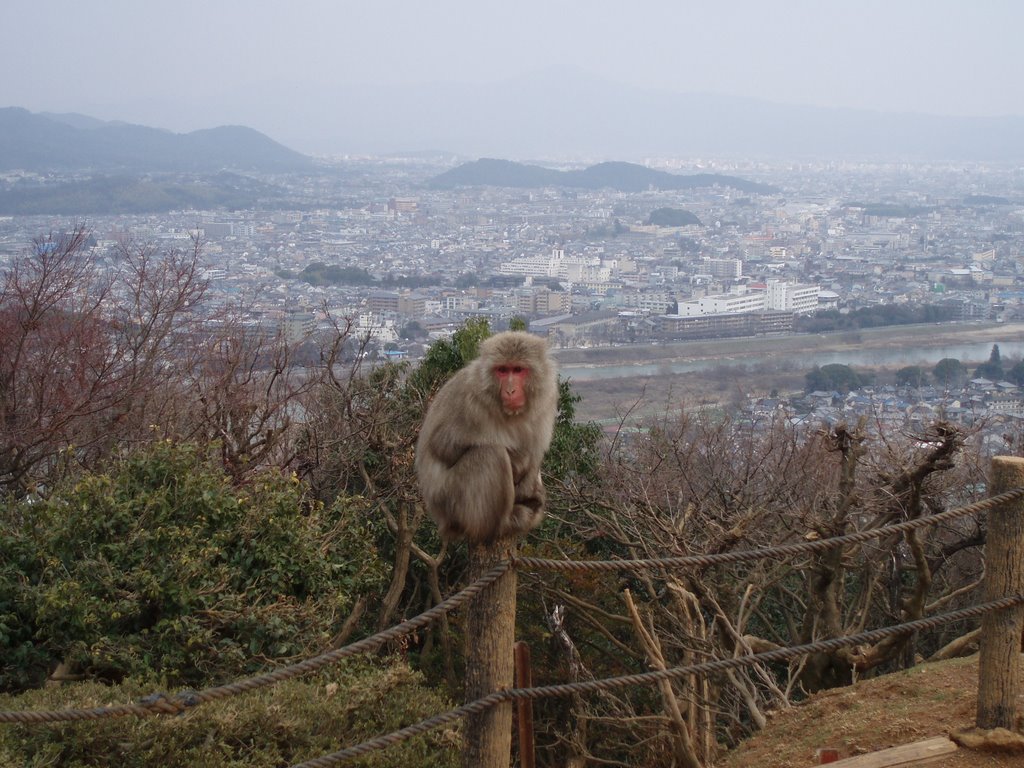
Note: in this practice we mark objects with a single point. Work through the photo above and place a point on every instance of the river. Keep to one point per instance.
(969, 353)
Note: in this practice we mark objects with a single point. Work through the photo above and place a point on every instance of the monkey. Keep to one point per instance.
(480, 448)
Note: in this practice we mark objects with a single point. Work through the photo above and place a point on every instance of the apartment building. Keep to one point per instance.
(791, 297)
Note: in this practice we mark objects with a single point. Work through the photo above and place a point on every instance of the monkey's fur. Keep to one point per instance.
(478, 464)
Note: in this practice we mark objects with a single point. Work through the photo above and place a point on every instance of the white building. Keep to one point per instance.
(651, 302)
(737, 302)
(774, 295)
(724, 268)
(559, 266)
(791, 297)
(374, 327)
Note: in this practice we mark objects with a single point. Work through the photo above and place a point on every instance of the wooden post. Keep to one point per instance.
(490, 633)
(524, 707)
(999, 663)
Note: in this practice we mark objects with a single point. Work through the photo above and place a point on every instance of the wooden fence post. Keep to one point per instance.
(524, 707)
(490, 634)
(999, 663)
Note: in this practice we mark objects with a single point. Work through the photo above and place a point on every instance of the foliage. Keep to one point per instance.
(446, 356)
(626, 177)
(911, 376)
(574, 449)
(412, 330)
(672, 217)
(163, 568)
(1016, 373)
(949, 372)
(85, 351)
(319, 273)
(22, 661)
(872, 317)
(107, 195)
(992, 368)
(834, 377)
(291, 722)
(699, 483)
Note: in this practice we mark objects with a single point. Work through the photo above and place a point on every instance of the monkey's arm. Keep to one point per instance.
(530, 491)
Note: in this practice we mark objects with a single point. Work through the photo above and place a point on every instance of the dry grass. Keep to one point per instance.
(928, 700)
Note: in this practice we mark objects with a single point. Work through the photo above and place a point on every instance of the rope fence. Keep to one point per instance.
(163, 704)
(778, 551)
(648, 678)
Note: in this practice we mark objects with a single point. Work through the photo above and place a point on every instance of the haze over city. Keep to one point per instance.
(324, 77)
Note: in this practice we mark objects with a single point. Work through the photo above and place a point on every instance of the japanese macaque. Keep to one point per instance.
(480, 448)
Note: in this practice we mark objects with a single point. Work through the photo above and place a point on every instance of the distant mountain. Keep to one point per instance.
(565, 114)
(37, 142)
(122, 194)
(623, 177)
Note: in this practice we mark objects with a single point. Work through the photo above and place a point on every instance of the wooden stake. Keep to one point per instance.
(524, 708)
(490, 632)
(999, 664)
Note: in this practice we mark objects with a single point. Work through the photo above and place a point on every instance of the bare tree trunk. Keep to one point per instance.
(685, 753)
(403, 550)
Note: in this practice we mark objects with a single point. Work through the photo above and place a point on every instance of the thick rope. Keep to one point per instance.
(779, 551)
(162, 704)
(647, 678)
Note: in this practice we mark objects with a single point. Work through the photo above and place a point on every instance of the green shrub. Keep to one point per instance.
(291, 722)
(162, 569)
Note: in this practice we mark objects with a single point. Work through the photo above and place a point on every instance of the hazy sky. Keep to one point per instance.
(187, 64)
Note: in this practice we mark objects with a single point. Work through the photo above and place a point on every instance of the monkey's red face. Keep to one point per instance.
(512, 380)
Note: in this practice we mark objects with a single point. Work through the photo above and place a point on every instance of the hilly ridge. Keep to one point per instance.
(42, 143)
(620, 176)
(129, 194)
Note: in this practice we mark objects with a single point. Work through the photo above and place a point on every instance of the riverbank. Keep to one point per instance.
(650, 378)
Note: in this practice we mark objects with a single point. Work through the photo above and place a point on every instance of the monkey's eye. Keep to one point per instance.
(510, 370)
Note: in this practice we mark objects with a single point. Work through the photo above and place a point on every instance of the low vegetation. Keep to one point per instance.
(294, 721)
(189, 503)
(828, 321)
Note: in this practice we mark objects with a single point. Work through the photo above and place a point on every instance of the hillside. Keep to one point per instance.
(901, 708)
(122, 194)
(36, 142)
(620, 176)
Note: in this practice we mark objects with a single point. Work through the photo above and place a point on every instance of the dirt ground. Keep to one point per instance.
(927, 701)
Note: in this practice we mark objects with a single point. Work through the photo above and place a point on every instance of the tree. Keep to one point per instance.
(243, 388)
(911, 376)
(993, 368)
(1016, 373)
(574, 450)
(86, 352)
(672, 217)
(412, 331)
(834, 376)
(696, 483)
(950, 373)
(446, 356)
